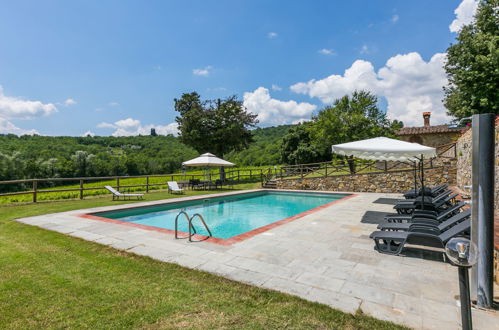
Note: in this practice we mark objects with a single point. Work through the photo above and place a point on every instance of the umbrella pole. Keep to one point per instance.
(422, 182)
(415, 178)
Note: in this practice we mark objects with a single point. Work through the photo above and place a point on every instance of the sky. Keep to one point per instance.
(114, 67)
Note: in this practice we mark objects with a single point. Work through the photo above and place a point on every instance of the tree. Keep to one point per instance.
(297, 146)
(82, 161)
(350, 118)
(473, 65)
(217, 126)
(153, 132)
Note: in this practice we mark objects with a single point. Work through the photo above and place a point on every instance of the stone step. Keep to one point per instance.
(270, 185)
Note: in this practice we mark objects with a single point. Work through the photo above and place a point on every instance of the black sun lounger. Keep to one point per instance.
(437, 206)
(393, 242)
(395, 217)
(428, 225)
(428, 191)
(427, 199)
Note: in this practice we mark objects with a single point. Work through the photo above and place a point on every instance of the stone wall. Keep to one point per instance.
(433, 139)
(390, 182)
(464, 146)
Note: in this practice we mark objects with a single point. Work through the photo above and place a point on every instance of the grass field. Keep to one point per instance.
(49, 280)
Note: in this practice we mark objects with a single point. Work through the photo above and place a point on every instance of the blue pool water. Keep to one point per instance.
(226, 216)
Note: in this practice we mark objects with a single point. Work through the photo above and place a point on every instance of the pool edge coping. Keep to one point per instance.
(220, 241)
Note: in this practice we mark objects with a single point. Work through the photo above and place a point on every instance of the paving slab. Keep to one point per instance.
(325, 256)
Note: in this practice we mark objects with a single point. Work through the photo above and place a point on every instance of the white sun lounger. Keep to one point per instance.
(174, 188)
(117, 194)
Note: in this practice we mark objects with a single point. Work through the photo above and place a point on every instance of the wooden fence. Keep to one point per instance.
(232, 175)
(357, 166)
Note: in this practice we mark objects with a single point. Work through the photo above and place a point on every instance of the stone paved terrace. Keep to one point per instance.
(325, 256)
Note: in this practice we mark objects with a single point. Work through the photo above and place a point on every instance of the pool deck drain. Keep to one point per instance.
(325, 256)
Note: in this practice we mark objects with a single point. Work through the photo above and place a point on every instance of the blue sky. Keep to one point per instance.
(114, 67)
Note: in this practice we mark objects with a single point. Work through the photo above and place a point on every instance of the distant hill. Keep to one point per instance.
(266, 150)
(47, 156)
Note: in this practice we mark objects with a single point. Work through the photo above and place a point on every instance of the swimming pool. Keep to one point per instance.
(229, 217)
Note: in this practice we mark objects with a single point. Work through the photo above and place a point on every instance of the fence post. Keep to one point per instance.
(118, 183)
(386, 166)
(147, 184)
(326, 170)
(238, 175)
(35, 186)
(250, 174)
(81, 188)
(301, 171)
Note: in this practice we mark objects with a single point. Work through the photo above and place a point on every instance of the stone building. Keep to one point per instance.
(432, 136)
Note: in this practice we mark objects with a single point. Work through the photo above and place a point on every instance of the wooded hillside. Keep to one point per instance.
(45, 156)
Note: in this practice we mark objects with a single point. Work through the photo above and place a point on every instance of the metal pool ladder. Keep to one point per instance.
(192, 229)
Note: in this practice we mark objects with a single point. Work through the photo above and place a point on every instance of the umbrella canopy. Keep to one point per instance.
(383, 148)
(207, 159)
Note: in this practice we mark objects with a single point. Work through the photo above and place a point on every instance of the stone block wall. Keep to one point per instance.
(390, 182)
(464, 146)
(433, 139)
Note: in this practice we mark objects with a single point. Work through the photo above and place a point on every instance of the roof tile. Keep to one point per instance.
(428, 130)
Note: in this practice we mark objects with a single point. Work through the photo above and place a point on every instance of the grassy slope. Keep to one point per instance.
(49, 280)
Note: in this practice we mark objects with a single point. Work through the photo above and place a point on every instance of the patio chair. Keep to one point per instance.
(441, 204)
(117, 195)
(393, 242)
(195, 183)
(439, 216)
(174, 188)
(215, 185)
(426, 224)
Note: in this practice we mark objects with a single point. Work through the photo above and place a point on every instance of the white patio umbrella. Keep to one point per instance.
(208, 160)
(383, 148)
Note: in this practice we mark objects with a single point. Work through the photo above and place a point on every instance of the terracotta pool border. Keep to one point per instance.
(222, 241)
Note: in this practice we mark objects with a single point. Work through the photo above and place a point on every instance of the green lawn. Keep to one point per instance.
(49, 280)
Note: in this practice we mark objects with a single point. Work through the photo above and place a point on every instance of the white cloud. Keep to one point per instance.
(464, 14)
(6, 127)
(88, 133)
(364, 49)
(17, 108)
(325, 51)
(106, 125)
(202, 72)
(131, 127)
(113, 104)
(128, 123)
(409, 84)
(69, 102)
(272, 35)
(276, 112)
(395, 18)
(276, 88)
(359, 76)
